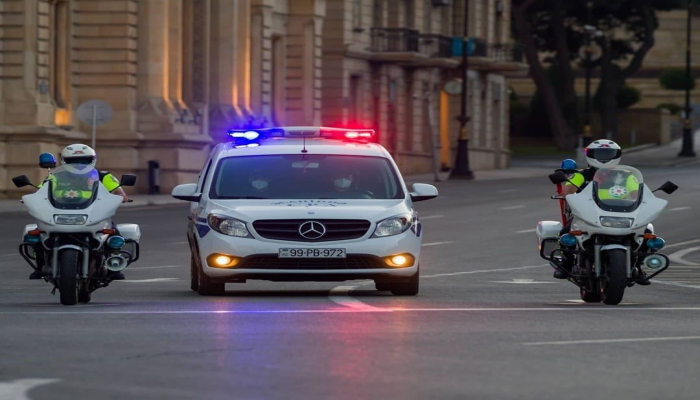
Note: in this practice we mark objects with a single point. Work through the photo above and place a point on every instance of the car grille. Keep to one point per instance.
(288, 229)
(274, 262)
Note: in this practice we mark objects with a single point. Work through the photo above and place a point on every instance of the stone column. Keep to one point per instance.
(304, 58)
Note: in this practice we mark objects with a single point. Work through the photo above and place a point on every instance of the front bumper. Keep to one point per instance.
(250, 249)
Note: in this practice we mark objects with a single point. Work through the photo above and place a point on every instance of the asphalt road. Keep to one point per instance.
(490, 321)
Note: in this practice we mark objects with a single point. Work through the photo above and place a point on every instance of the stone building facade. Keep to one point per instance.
(178, 73)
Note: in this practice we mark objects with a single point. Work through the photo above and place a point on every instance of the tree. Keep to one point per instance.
(557, 29)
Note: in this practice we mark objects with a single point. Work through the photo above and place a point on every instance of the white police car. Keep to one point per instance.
(303, 204)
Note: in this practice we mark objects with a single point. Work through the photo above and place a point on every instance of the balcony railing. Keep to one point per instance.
(506, 53)
(435, 46)
(394, 40)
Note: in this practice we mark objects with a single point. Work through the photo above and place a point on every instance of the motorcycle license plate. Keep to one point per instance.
(312, 253)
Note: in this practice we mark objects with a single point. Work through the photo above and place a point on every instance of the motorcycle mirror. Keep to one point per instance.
(558, 177)
(668, 187)
(47, 160)
(22, 181)
(128, 180)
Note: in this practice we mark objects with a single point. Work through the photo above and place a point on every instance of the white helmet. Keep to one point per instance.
(603, 153)
(78, 154)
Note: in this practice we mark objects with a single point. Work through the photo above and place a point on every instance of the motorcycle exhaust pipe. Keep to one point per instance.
(116, 263)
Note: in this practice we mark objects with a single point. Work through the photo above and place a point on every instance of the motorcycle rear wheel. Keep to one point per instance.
(68, 287)
(613, 289)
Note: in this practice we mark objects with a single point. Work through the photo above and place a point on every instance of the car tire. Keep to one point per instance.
(194, 275)
(409, 288)
(208, 287)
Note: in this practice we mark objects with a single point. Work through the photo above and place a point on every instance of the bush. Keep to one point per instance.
(675, 79)
(673, 108)
(628, 96)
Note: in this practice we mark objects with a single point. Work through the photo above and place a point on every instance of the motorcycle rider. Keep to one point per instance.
(599, 154)
(86, 157)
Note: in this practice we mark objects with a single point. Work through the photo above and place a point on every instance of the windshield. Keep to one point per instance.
(298, 176)
(73, 186)
(618, 188)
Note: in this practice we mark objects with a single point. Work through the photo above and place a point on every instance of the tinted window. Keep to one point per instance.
(298, 176)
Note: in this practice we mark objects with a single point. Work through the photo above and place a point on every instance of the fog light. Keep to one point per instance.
(222, 261)
(115, 242)
(32, 239)
(399, 260)
(568, 240)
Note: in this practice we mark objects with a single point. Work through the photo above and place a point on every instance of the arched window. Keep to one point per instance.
(60, 53)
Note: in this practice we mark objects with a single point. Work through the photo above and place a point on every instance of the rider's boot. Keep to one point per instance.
(560, 274)
(642, 279)
(564, 267)
(36, 274)
(117, 276)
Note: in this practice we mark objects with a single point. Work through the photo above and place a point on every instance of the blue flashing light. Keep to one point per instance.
(32, 239)
(115, 242)
(569, 165)
(568, 240)
(656, 243)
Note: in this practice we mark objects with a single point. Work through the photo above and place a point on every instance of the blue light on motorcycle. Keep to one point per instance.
(32, 239)
(656, 243)
(568, 165)
(115, 242)
(568, 240)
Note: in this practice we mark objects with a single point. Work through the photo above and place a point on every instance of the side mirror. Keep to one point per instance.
(22, 181)
(422, 192)
(668, 187)
(47, 160)
(558, 177)
(128, 180)
(186, 192)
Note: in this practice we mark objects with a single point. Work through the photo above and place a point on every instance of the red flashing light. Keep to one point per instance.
(361, 135)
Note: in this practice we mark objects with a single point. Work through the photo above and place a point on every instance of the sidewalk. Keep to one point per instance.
(663, 156)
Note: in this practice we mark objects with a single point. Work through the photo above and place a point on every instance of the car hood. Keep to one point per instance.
(252, 210)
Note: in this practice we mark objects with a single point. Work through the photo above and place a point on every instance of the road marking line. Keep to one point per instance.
(601, 341)
(679, 208)
(341, 296)
(521, 281)
(527, 231)
(676, 284)
(513, 207)
(483, 271)
(150, 280)
(677, 257)
(682, 243)
(431, 217)
(435, 244)
(161, 267)
(19, 389)
(594, 308)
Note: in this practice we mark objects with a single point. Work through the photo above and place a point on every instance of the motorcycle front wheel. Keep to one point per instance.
(68, 263)
(613, 288)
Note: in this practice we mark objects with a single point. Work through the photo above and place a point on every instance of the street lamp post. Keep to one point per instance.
(688, 149)
(589, 58)
(461, 169)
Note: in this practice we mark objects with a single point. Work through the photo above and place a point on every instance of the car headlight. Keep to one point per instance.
(70, 219)
(616, 222)
(228, 226)
(393, 226)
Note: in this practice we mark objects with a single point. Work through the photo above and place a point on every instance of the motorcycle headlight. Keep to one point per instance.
(393, 226)
(616, 222)
(228, 226)
(69, 219)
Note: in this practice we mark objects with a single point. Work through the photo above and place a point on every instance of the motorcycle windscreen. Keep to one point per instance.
(73, 186)
(618, 188)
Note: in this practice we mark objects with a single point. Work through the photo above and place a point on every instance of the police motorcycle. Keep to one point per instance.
(74, 243)
(611, 236)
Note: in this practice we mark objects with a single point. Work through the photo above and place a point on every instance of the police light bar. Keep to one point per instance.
(350, 134)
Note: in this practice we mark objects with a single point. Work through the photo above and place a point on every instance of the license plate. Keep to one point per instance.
(312, 253)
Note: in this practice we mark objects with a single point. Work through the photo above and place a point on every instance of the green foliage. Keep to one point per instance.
(626, 97)
(673, 108)
(676, 79)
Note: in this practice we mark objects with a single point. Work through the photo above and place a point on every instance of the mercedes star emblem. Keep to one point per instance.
(312, 230)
